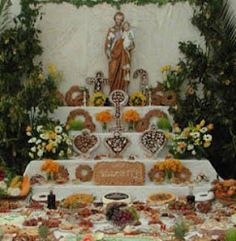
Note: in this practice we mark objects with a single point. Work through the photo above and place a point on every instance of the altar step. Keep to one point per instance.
(137, 192)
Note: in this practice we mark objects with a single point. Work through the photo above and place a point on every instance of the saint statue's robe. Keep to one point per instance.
(119, 60)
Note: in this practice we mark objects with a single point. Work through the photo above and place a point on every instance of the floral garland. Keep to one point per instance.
(116, 3)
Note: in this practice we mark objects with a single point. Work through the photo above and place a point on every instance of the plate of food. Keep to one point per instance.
(225, 191)
(160, 198)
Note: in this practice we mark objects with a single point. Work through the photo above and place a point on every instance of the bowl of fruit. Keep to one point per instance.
(225, 191)
(120, 215)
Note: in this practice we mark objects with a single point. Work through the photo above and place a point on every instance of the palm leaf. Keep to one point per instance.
(225, 30)
(4, 14)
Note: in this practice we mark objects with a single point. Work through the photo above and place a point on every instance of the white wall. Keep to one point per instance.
(73, 38)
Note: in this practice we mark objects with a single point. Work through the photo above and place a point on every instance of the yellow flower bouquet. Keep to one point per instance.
(98, 99)
(137, 99)
(192, 141)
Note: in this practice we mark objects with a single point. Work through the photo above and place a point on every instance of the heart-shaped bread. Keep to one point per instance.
(117, 143)
(85, 142)
(153, 140)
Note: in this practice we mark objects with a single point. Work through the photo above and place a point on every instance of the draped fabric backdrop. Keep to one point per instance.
(73, 38)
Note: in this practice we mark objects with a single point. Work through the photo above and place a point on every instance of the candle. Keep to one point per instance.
(150, 97)
(85, 99)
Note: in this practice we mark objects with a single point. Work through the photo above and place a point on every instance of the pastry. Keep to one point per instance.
(62, 175)
(84, 173)
(85, 142)
(37, 179)
(153, 140)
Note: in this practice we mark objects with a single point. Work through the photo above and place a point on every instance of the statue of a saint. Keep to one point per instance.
(118, 45)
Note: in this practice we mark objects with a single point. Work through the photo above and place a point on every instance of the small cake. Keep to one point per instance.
(116, 197)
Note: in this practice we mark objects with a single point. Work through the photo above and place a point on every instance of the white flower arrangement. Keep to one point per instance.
(191, 141)
(50, 141)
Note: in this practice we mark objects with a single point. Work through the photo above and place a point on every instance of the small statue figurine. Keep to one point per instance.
(118, 45)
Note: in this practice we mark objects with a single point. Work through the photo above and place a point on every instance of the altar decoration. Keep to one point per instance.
(192, 141)
(119, 173)
(153, 140)
(225, 191)
(98, 82)
(144, 123)
(75, 125)
(76, 96)
(49, 141)
(85, 142)
(121, 215)
(163, 123)
(50, 167)
(144, 79)
(169, 170)
(98, 99)
(84, 173)
(62, 176)
(118, 98)
(104, 117)
(88, 120)
(131, 117)
(117, 143)
(137, 99)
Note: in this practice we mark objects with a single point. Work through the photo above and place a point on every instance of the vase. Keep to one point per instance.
(131, 126)
(168, 175)
(104, 126)
(50, 176)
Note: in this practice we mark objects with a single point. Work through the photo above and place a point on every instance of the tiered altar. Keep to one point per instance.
(134, 151)
(110, 164)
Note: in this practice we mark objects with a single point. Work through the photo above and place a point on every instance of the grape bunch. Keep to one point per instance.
(122, 217)
(119, 214)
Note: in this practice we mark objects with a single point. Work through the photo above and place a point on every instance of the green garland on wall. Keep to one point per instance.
(116, 3)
